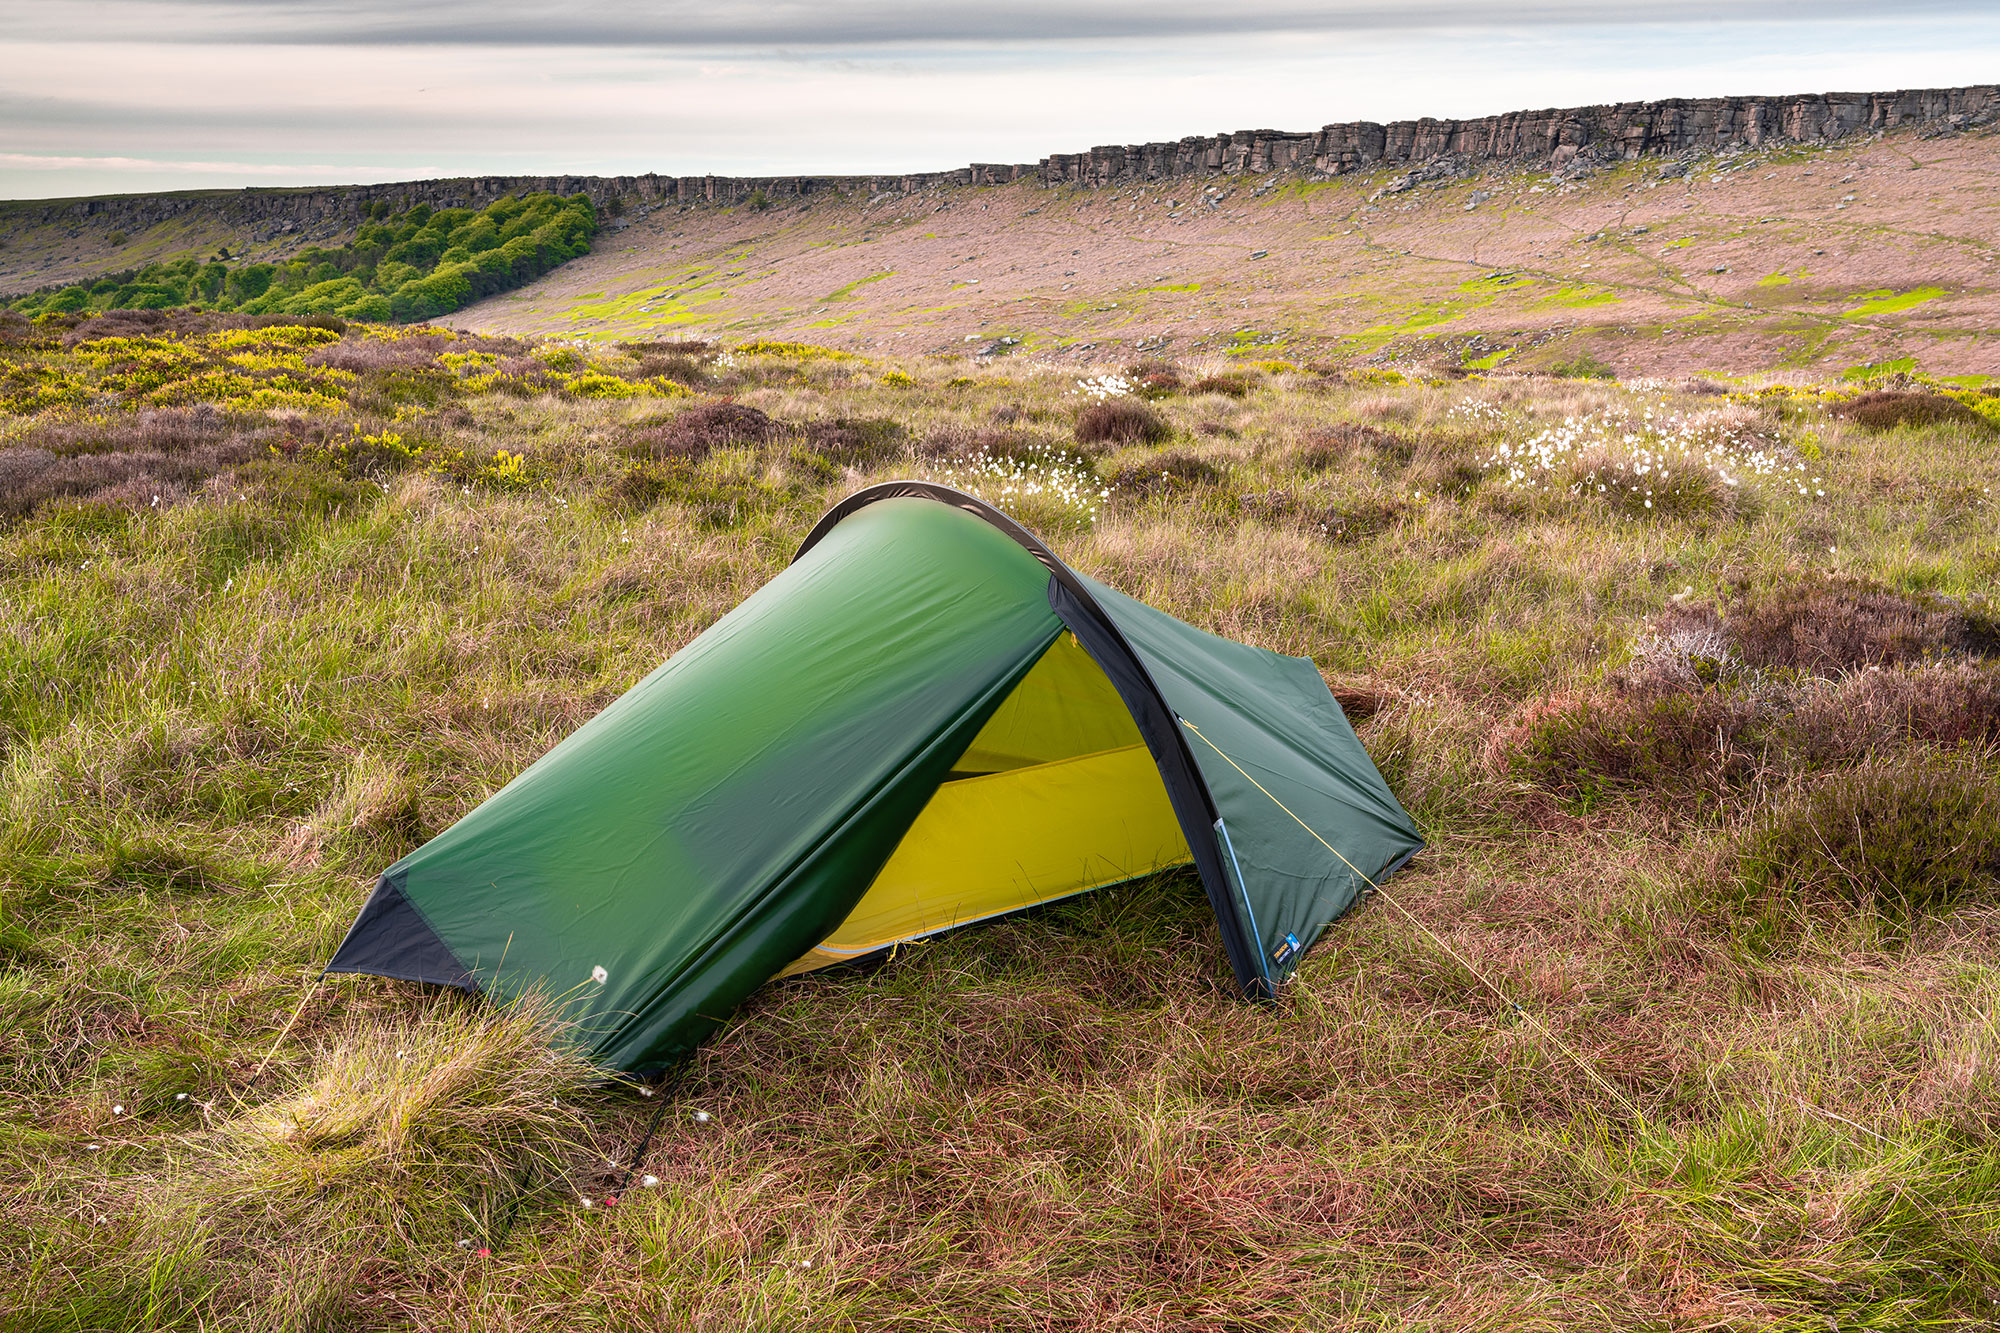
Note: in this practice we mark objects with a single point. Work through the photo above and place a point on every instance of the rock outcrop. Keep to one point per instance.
(1627, 130)
(1555, 138)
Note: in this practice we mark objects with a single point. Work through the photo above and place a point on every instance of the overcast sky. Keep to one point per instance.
(125, 95)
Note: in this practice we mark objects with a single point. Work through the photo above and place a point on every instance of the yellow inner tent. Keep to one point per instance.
(1056, 795)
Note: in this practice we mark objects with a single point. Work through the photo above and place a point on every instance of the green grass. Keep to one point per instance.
(1579, 296)
(845, 290)
(222, 714)
(1902, 365)
(1888, 302)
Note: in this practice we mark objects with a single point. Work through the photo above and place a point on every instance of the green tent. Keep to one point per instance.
(926, 720)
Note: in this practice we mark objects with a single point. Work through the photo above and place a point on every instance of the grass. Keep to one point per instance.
(222, 712)
(845, 290)
(1890, 302)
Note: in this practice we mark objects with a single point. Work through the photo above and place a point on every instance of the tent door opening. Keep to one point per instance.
(1056, 795)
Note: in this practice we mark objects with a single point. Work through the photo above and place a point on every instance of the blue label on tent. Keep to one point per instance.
(1287, 949)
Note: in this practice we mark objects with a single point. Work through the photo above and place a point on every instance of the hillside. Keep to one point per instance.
(1811, 232)
(1809, 258)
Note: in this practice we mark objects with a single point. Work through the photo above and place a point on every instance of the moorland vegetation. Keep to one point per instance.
(1691, 684)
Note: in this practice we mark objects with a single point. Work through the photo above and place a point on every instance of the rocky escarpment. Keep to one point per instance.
(1627, 130)
(1558, 138)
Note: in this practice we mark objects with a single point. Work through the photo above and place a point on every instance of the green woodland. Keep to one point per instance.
(417, 265)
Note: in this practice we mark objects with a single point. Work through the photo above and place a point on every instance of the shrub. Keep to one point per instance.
(1154, 377)
(567, 360)
(1886, 409)
(682, 361)
(333, 324)
(1683, 742)
(1583, 366)
(379, 354)
(525, 377)
(1901, 832)
(172, 430)
(791, 351)
(597, 384)
(1120, 421)
(677, 369)
(1168, 473)
(700, 430)
(129, 461)
(1825, 625)
(1230, 386)
(669, 347)
(1874, 712)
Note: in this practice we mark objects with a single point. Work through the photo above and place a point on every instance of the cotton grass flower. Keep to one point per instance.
(1639, 458)
(1047, 478)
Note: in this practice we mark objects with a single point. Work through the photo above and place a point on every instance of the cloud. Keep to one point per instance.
(130, 112)
(689, 24)
(59, 162)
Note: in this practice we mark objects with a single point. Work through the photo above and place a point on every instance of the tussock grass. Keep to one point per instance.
(1637, 738)
(415, 1140)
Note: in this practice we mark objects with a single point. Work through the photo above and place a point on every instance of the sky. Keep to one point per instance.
(115, 96)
